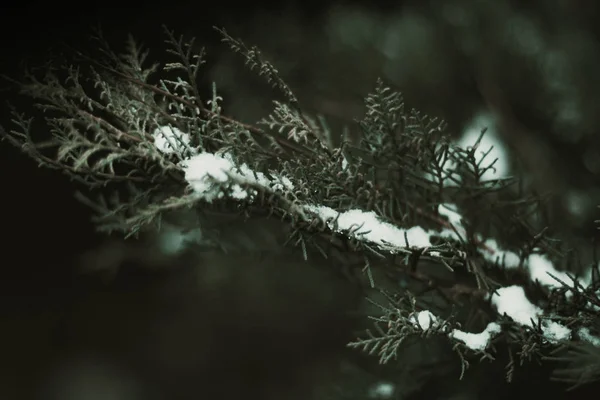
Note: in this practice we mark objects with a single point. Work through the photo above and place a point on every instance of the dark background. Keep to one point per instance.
(44, 229)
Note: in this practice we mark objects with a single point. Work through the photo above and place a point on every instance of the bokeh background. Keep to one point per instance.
(527, 71)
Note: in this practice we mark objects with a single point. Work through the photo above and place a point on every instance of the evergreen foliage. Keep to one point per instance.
(404, 214)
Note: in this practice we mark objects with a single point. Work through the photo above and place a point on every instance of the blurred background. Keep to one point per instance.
(527, 71)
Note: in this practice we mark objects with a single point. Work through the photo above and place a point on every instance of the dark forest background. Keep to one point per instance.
(452, 59)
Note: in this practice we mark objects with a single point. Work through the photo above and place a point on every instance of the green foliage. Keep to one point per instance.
(105, 116)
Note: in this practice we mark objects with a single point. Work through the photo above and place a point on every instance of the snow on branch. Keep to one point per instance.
(207, 174)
